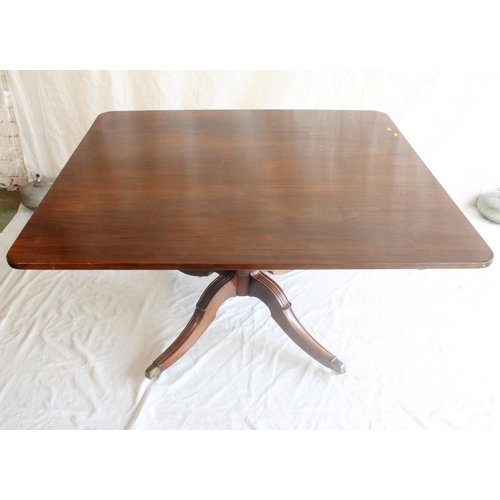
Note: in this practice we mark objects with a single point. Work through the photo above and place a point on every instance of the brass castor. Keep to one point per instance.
(153, 371)
(337, 366)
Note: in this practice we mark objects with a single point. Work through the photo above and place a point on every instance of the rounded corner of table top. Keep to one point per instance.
(489, 261)
(481, 262)
(12, 261)
(105, 114)
(382, 114)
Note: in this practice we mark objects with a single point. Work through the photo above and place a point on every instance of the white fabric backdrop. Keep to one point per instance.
(420, 346)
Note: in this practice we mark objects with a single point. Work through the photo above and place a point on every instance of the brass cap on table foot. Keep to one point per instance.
(337, 366)
(153, 371)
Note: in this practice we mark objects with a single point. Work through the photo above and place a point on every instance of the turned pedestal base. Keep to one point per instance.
(243, 283)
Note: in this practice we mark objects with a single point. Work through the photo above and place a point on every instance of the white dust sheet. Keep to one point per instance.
(421, 350)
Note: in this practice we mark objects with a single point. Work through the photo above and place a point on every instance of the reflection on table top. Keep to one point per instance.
(247, 189)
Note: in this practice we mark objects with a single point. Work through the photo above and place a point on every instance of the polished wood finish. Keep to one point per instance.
(221, 289)
(242, 283)
(244, 190)
(268, 291)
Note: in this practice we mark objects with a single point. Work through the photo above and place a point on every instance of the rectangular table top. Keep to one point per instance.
(246, 189)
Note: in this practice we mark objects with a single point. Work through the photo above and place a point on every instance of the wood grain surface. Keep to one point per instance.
(246, 189)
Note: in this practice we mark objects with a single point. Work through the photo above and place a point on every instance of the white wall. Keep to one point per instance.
(12, 170)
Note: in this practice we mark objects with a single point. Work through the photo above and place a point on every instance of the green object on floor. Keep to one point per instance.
(9, 204)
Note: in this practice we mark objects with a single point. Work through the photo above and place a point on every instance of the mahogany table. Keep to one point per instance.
(241, 193)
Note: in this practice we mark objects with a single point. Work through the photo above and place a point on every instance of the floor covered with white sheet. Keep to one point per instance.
(420, 347)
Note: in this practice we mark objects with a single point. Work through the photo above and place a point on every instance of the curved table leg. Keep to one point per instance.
(264, 288)
(221, 289)
(255, 284)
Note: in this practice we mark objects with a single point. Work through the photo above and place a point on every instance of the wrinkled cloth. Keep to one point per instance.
(420, 347)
